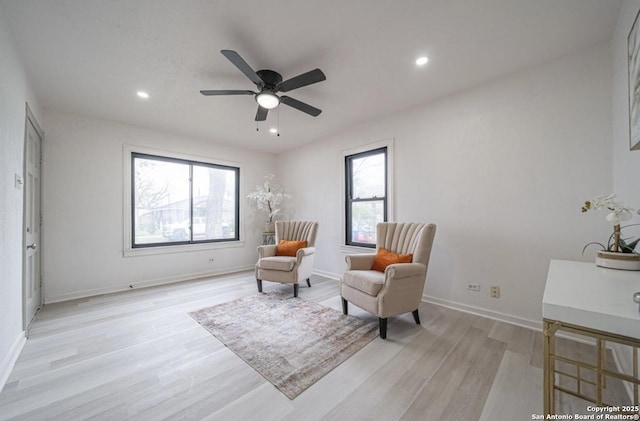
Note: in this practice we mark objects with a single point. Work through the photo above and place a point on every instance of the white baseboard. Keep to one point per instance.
(324, 273)
(495, 315)
(479, 311)
(503, 317)
(10, 359)
(144, 284)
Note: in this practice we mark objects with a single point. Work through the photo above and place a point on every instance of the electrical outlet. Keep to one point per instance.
(18, 182)
(495, 291)
(473, 287)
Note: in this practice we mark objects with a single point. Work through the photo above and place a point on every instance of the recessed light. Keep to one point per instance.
(143, 94)
(273, 130)
(421, 61)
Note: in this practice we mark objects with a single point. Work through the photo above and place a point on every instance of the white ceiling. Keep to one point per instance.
(91, 56)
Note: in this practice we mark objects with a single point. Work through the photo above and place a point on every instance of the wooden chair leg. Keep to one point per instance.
(345, 307)
(416, 316)
(308, 282)
(383, 327)
(295, 290)
(259, 281)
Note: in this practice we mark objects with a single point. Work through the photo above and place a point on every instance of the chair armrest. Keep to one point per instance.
(306, 251)
(267, 251)
(404, 270)
(360, 261)
(305, 255)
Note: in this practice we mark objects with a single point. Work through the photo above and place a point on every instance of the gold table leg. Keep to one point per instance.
(549, 329)
(548, 341)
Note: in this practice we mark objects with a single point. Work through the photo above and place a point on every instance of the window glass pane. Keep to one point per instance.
(214, 203)
(181, 201)
(365, 218)
(368, 176)
(161, 201)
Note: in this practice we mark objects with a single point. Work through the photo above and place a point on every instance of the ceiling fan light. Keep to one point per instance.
(267, 100)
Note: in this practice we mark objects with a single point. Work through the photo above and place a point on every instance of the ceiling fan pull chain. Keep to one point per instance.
(278, 123)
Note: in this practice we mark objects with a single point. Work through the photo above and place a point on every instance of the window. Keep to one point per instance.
(177, 201)
(366, 195)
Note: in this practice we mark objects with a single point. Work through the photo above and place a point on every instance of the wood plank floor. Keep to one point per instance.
(137, 355)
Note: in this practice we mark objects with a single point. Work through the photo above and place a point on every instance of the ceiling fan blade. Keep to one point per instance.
(242, 65)
(313, 76)
(227, 92)
(261, 115)
(299, 105)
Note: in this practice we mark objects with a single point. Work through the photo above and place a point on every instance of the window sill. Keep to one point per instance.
(345, 249)
(150, 251)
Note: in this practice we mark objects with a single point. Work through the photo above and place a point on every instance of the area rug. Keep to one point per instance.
(291, 342)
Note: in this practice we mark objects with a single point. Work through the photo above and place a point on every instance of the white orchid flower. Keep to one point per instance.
(616, 217)
(619, 213)
(269, 196)
(602, 201)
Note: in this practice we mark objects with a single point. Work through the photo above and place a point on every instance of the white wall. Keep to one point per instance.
(83, 208)
(502, 169)
(14, 93)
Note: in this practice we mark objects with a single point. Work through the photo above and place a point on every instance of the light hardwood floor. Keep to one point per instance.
(138, 355)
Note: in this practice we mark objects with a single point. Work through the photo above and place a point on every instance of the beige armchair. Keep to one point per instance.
(288, 269)
(399, 288)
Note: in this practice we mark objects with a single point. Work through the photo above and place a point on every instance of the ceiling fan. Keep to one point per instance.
(269, 83)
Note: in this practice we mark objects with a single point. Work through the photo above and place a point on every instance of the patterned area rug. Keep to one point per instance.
(290, 341)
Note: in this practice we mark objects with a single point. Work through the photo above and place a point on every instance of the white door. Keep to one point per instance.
(32, 288)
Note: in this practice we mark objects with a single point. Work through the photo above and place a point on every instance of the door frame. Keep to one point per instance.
(30, 119)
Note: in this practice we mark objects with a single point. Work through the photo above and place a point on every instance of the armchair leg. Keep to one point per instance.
(345, 307)
(308, 282)
(295, 290)
(259, 281)
(416, 316)
(383, 327)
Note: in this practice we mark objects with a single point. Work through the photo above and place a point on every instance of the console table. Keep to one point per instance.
(268, 238)
(596, 303)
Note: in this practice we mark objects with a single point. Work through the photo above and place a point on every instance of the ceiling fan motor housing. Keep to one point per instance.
(270, 78)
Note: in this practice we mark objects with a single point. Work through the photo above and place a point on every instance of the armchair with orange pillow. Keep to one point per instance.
(390, 282)
(290, 260)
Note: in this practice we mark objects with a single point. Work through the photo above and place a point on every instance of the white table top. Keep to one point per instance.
(586, 295)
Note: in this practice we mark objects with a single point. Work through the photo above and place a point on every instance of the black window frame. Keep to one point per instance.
(191, 164)
(349, 199)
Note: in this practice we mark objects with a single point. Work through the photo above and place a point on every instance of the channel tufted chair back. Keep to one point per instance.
(380, 284)
(407, 238)
(298, 231)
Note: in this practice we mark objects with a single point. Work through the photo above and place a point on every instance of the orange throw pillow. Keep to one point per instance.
(289, 248)
(385, 258)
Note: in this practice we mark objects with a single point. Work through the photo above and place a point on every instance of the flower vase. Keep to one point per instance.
(613, 260)
(269, 226)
